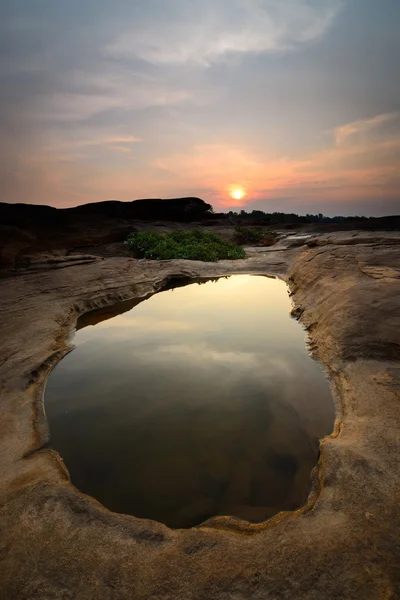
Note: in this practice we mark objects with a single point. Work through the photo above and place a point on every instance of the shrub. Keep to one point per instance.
(254, 235)
(193, 245)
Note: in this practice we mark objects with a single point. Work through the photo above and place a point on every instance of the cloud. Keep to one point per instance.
(222, 167)
(126, 94)
(362, 127)
(363, 150)
(363, 158)
(113, 100)
(189, 33)
(122, 143)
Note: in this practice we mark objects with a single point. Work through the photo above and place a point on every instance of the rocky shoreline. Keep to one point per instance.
(59, 543)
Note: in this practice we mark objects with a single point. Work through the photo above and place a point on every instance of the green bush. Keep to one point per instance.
(193, 245)
(254, 235)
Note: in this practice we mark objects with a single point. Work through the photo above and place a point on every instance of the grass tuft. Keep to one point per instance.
(193, 245)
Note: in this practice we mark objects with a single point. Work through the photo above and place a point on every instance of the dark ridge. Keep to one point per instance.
(27, 229)
(175, 209)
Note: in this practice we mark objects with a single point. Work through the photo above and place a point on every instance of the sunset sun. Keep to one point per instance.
(238, 193)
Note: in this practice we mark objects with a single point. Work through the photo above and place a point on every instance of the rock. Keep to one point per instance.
(14, 243)
(296, 312)
(27, 229)
(59, 543)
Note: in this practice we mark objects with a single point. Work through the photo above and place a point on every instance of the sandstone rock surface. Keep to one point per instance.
(58, 543)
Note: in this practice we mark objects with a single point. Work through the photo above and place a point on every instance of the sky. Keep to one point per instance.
(278, 105)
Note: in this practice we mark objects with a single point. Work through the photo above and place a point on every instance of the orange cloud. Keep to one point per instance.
(364, 153)
(343, 133)
(221, 167)
(362, 159)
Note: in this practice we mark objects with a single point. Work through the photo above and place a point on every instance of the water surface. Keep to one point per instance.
(199, 401)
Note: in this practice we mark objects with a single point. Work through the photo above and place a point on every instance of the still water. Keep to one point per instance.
(200, 401)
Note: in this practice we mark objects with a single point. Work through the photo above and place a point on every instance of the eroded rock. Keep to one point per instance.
(59, 543)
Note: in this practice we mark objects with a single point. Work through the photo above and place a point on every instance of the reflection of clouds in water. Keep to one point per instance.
(139, 327)
(199, 353)
(279, 366)
(181, 375)
(181, 388)
(114, 364)
(263, 305)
